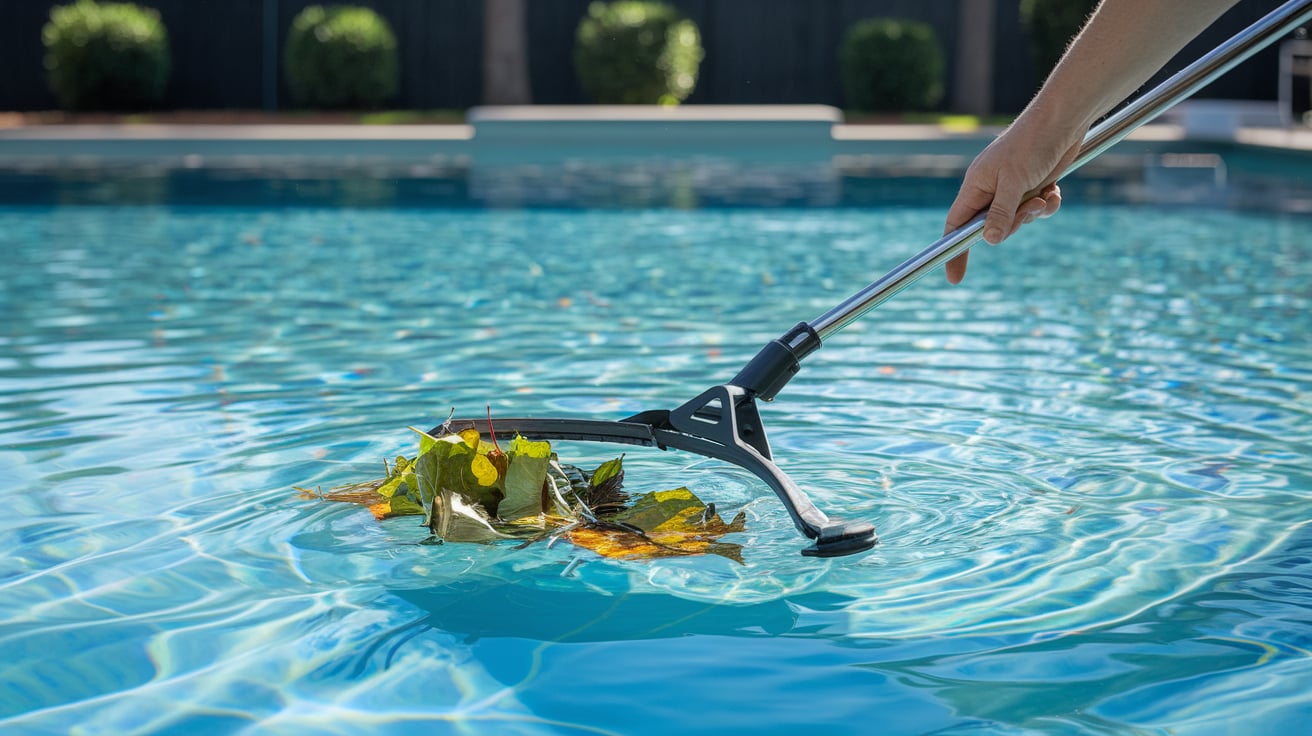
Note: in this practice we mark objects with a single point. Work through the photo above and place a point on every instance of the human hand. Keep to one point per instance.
(1014, 178)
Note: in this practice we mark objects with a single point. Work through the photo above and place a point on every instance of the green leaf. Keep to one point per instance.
(401, 504)
(397, 476)
(449, 463)
(652, 510)
(674, 523)
(426, 441)
(458, 475)
(472, 492)
(526, 471)
(484, 471)
(603, 494)
(606, 471)
(400, 494)
(428, 466)
(395, 495)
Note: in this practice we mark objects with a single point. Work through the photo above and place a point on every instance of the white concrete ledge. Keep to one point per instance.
(288, 132)
(1221, 120)
(921, 132)
(538, 131)
(656, 113)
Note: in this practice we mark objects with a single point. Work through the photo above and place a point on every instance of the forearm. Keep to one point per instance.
(1121, 47)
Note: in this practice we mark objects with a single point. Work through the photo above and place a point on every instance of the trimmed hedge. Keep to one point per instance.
(891, 65)
(633, 53)
(341, 56)
(110, 56)
(1052, 24)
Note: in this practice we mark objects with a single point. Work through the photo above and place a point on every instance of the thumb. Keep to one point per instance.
(970, 201)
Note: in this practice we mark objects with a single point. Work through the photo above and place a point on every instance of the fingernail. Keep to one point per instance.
(993, 236)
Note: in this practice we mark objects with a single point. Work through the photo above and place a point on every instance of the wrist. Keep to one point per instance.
(1049, 115)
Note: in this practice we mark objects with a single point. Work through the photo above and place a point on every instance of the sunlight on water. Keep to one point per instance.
(1087, 465)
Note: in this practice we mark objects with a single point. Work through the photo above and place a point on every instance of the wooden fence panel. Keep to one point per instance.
(23, 83)
(757, 52)
(216, 47)
(551, 29)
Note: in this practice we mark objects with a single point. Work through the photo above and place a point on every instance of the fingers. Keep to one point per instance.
(1003, 213)
(956, 268)
(1052, 200)
(1043, 205)
(969, 202)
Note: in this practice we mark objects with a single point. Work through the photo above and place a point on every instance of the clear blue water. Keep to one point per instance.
(1088, 466)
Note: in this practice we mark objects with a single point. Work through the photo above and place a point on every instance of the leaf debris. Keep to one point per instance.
(471, 490)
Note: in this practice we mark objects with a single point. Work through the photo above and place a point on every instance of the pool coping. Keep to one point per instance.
(539, 134)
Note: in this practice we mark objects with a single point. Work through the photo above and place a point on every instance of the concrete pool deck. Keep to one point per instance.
(540, 134)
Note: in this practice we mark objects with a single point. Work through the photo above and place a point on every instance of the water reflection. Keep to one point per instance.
(1241, 178)
(1088, 467)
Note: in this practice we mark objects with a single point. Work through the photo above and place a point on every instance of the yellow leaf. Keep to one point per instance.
(657, 509)
(381, 510)
(622, 544)
(470, 436)
(484, 471)
(380, 496)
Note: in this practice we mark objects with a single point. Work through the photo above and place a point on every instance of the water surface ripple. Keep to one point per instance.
(1088, 467)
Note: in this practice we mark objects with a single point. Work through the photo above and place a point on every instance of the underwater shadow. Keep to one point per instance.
(487, 608)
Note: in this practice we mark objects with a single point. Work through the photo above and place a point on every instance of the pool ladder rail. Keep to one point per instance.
(724, 423)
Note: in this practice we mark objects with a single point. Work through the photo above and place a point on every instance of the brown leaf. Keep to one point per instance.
(368, 494)
(619, 543)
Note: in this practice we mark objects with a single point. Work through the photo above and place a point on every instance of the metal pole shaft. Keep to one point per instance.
(1104, 135)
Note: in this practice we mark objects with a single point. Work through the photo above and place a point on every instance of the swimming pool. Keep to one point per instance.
(1088, 464)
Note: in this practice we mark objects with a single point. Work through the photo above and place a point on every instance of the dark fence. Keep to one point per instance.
(227, 53)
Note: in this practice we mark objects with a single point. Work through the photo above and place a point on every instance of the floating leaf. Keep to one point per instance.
(428, 466)
(526, 472)
(367, 494)
(662, 524)
(396, 506)
(484, 471)
(653, 509)
(447, 464)
(603, 494)
(609, 472)
(472, 491)
(401, 492)
(471, 438)
(627, 544)
(396, 477)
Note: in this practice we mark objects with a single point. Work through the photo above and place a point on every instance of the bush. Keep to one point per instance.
(635, 53)
(891, 65)
(341, 56)
(1052, 24)
(111, 56)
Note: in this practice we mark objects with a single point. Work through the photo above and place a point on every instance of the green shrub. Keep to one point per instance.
(341, 56)
(110, 56)
(632, 52)
(891, 65)
(1052, 24)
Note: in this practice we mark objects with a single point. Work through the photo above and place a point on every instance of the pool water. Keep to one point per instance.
(1087, 464)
